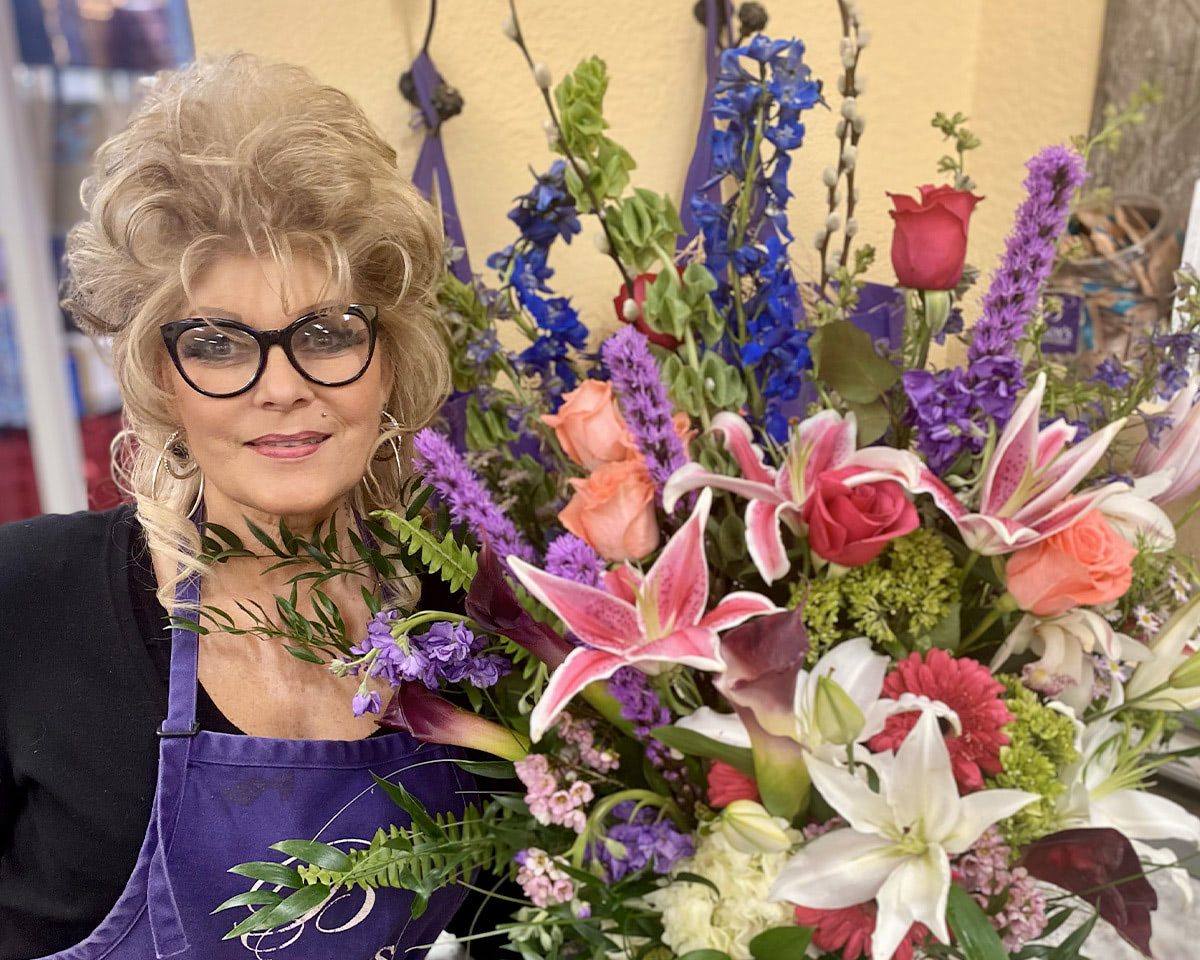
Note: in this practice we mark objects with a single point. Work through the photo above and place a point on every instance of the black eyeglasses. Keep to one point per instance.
(223, 358)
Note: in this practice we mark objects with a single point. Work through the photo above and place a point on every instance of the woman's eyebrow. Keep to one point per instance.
(223, 314)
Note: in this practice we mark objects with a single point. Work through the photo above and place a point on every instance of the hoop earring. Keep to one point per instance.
(173, 446)
(388, 422)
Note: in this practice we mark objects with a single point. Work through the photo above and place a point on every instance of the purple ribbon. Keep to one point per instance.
(431, 162)
(701, 166)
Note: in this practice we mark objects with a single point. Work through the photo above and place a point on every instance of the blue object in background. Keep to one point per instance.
(143, 37)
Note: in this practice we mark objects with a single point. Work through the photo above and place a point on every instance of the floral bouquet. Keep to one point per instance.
(784, 642)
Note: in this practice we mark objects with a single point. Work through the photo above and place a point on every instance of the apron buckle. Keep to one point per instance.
(195, 729)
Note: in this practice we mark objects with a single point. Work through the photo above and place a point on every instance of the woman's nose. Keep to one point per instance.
(281, 384)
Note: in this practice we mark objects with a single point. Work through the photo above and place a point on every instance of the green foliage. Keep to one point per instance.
(972, 928)
(844, 357)
(953, 128)
(1041, 745)
(1119, 117)
(580, 100)
(454, 562)
(899, 600)
(643, 226)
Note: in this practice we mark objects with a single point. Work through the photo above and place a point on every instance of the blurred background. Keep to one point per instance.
(1026, 73)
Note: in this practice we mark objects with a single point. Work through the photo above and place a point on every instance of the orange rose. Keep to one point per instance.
(1084, 565)
(613, 510)
(589, 426)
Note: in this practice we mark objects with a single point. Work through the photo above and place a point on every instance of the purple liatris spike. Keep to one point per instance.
(469, 500)
(572, 559)
(643, 399)
(994, 371)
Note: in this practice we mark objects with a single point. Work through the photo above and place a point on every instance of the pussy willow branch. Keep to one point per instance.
(849, 35)
(519, 39)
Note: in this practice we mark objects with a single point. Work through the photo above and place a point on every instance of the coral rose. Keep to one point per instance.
(613, 510)
(850, 525)
(589, 426)
(1086, 564)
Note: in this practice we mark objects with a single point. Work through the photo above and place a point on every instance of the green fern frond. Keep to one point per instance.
(405, 858)
(447, 557)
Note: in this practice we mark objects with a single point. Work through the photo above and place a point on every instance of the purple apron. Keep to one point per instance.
(222, 799)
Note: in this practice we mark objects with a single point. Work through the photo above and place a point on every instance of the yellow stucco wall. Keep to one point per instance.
(1022, 70)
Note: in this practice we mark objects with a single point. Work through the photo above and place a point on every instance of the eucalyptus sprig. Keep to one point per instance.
(953, 128)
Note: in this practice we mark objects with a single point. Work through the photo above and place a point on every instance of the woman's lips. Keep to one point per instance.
(294, 446)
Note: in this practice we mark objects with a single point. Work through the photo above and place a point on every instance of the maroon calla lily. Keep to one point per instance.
(493, 605)
(762, 660)
(417, 710)
(1100, 865)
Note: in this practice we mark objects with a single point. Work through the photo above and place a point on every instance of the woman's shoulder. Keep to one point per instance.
(38, 552)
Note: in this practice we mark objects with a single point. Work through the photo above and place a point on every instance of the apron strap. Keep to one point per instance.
(185, 660)
(431, 163)
(700, 169)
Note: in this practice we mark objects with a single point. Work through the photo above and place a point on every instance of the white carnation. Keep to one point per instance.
(694, 916)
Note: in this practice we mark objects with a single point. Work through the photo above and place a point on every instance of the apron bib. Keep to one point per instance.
(222, 799)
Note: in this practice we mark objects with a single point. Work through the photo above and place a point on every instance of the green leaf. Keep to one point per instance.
(1069, 948)
(976, 935)
(276, 873)
(705, 955)
(323, 855)
(412, 806)
(265, 539)
(251, 898)
(231, 539)
(417, 502)
(306, 655)
(696, 878)
(298, 904)
(873, 420)
(697, 745)
(781, 943)
(495, 769)
(845, 358)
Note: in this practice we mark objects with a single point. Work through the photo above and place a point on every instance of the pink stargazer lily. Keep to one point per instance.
(655, 619)
(1026, 495)
(1175, 458)
(777, 495)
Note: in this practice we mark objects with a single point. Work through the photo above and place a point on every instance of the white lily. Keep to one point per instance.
(1155, 685)
(1064, 646)
(1103, 790)
(898, 846)
(1137, 518)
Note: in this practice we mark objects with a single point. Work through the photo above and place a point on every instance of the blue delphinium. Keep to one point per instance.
(543, 215)
(749, 232)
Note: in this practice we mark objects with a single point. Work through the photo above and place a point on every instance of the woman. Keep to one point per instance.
(266, 276)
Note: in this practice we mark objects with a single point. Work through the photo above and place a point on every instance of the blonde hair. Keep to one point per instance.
(235, 156)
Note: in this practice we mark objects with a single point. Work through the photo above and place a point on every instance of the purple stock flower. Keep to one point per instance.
(467, 496)
(644, 403)
(994, 372)
(641, 707)
(572, 559)
(648, 841)
(448, 652)
(369, 703)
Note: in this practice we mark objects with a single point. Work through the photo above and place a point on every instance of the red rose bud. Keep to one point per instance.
(929, 244)
(849, 524)
(640, 283)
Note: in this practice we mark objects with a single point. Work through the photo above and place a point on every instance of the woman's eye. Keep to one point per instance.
(211, 347)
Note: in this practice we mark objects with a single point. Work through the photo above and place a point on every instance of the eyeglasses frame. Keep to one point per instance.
(174, 329)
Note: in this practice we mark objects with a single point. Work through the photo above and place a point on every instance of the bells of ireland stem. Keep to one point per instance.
(749, 828)
(838, 718)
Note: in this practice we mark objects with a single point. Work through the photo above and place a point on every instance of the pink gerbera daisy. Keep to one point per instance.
(849, 930)
(966, 687)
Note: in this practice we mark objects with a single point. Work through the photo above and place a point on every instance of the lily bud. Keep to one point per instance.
(1187, 674)
(937, 309)
(542, 76)
(749, 828)
(838, 717)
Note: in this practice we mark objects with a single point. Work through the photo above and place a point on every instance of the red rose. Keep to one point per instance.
(929, 245)
(851, 524)
(640, 283)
